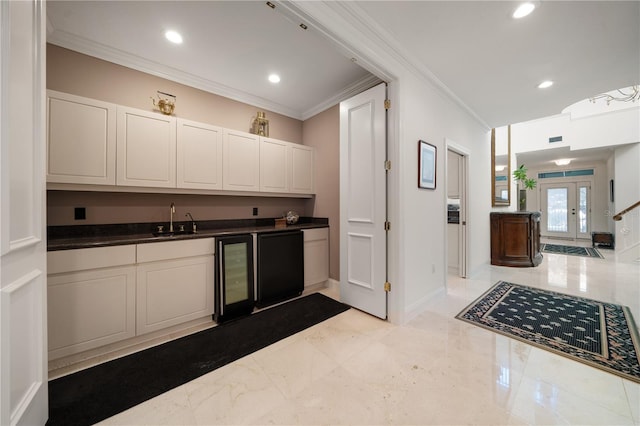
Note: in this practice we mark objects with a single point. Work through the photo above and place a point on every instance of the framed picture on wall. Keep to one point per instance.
(426, 165)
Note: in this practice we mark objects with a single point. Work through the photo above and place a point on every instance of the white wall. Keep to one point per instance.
(597, 130)
(607, 129)
(534, 135)
(427, 115)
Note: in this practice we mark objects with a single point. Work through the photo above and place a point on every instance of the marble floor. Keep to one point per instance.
(355, 369)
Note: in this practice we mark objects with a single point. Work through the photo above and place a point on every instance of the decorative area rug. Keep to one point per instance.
(602, 335)
(571, 250)
(99, 392)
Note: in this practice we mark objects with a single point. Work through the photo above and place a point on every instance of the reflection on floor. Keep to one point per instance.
(355, 369)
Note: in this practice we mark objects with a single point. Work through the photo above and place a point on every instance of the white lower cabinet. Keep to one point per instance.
(172, 292)
(99, 296)
(316, 256)
(174, 283)
(90, 298)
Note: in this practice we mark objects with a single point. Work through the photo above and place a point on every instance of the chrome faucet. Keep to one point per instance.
(172, 210)
(193, 222)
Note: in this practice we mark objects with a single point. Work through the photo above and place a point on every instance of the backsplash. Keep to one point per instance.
(118, 207)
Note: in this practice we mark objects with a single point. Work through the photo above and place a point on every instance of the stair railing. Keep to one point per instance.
(627, 210)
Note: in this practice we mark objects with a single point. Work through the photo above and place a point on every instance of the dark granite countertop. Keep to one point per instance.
(87, 236)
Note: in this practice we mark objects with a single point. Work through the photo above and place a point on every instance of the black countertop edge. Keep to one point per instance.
(87, 236)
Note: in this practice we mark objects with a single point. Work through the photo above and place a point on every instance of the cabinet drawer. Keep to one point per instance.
(165, 250)
(90, 258)
(316, 234)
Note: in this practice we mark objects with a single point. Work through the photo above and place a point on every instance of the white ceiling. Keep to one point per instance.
(489, 61)
(229, 48)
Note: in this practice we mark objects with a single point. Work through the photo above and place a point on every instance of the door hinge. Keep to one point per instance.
(387, 103)
(387, 286)
(387, 165)
(387, 225)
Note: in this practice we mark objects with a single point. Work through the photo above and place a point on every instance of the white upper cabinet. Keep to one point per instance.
(302, 169)
(241, 161)
(199, 155)
(274, 165)
(81, 140)
(97, 143)
(146, 154)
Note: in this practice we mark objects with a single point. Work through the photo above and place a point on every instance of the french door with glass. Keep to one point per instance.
(566, 209)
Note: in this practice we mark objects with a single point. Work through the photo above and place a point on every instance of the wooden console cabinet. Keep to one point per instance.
(515, 239)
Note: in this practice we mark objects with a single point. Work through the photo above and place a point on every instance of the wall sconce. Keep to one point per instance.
(260, 125)
(562, 161)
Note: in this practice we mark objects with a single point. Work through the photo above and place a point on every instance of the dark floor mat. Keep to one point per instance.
(99, 392)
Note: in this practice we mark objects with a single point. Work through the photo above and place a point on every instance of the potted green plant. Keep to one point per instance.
(524, 183)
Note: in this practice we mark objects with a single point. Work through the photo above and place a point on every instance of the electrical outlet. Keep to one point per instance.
(255, 211)
(80, 213)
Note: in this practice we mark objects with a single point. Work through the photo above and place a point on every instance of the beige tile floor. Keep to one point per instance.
(355, 369)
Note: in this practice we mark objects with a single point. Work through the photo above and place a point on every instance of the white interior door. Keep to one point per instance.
(363, 245)
(457, 172)
(462, 236)
(23, 273)
(566, 209)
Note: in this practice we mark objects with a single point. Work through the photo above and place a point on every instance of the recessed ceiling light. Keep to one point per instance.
(173, 36)
(274, 78)
(523, 10)
(545, 84)
(562, 161)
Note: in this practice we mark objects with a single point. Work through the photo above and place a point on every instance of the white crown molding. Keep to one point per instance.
(369, 43)
(107, 53)
(359, 86)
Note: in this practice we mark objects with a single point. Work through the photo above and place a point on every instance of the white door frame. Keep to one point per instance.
(23, 261)
(463, 235)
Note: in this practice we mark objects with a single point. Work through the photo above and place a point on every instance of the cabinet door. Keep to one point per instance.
(81, 140)
(274, 165)
(316, 256)
(199, 155)
(89, 309)
(241, 161)
(302, 169)
(146, 153)
(173, 292)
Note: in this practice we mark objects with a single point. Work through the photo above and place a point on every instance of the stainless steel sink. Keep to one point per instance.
(163, 234)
